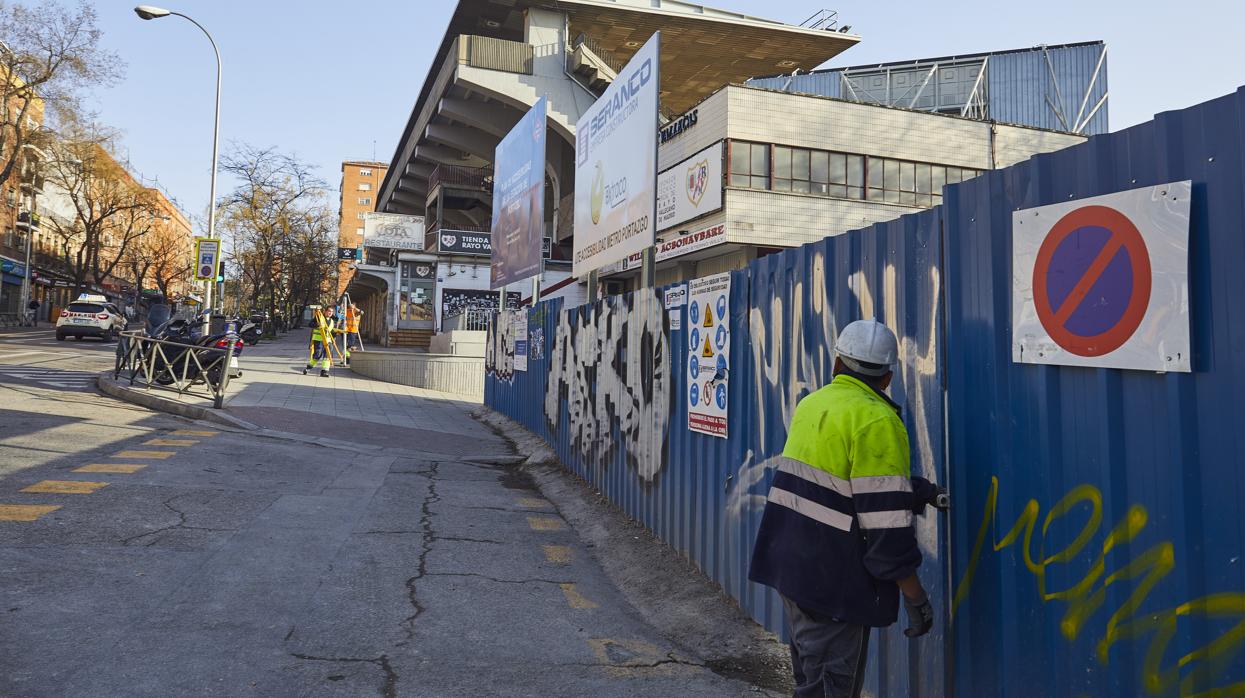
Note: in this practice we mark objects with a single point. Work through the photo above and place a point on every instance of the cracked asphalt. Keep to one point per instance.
(240, 564)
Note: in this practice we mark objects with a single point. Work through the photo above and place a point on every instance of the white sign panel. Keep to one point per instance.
(520, 340)
(616, 166)
(1103, 281)
(393, 230)
(708, 357)
(676, 298)
(691, 188)
(691, 242)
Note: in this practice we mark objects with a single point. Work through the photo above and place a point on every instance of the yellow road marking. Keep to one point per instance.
(110, 468)
(192, 432)
(24, 512)
(170, 442)
(144, 454)
(558, 554)
(64, 487)
(533, 503)
(575, 599)
(544, 523)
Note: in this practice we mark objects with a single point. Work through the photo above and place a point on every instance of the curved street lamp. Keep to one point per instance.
(148, 12)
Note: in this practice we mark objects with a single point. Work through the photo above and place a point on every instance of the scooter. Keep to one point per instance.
(174, 365)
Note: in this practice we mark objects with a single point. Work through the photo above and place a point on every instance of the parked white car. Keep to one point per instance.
(90, 316)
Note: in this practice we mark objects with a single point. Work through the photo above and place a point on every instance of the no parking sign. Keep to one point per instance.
(1103, 281)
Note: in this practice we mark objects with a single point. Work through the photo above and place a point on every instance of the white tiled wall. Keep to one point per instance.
(710, 127)
(1013, 144)
(785, 220)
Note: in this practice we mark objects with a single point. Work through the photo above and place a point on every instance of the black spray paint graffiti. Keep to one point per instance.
(611, 364)
(499, 349)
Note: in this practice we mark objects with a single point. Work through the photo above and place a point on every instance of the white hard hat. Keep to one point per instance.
(871, 342)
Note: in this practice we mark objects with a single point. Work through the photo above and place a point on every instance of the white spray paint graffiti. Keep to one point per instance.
(780, 384)
(613, 367)
(499, 350)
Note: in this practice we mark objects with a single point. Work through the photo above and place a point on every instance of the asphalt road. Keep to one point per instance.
(145, 555)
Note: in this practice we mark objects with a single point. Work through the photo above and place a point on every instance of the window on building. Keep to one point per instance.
(365, 201)
(365, 173)
(10, 198)
(361, 214)
(365, 186)
(358, 231)
(749, 165)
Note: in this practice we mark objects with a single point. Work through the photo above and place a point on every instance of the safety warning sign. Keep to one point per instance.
(708, 357)
(1103, 281)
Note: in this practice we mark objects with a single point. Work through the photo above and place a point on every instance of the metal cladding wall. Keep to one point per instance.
(1018, 85)
(1020, 89)
(609, 397)
(1098, 528)
(823, 83)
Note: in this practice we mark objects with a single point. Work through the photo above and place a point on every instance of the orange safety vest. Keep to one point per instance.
(352, 320)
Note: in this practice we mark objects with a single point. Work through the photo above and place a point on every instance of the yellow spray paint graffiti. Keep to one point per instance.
(1200, 667)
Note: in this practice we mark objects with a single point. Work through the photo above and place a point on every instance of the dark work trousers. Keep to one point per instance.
(827, 656)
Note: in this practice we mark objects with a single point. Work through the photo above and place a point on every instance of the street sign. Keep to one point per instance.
(708, 366)
(207, 256)
(1103, 281)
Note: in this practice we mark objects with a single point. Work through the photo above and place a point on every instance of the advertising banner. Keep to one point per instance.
(464, 242)
(708, 359)
(207, 257)
(616, 166)
(691, 188)
(1104, 281)
(519, 199)
(347, 254)
(520, 340)
(393, 230)
(691, 242)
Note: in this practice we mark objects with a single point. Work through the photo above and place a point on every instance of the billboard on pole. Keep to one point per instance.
(519, 199)
(616, 166)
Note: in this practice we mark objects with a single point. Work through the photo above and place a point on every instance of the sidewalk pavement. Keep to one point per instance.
(273, 393)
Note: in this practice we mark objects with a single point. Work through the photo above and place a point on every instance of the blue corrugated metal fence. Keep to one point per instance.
(1097, 531)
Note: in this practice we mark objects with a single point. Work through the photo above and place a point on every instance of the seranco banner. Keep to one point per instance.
(616, 166)
(691, 188)
(519, 199)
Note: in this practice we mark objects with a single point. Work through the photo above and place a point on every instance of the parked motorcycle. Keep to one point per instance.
(174, 365)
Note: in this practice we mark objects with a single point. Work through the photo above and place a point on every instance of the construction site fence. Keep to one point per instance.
(1094, 546)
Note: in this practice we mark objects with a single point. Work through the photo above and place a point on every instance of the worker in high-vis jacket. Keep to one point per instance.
(836, 538)
(322, 331)
(352, 341)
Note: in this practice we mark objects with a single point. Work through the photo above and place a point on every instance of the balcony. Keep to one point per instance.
(475, 179)
(495, 54)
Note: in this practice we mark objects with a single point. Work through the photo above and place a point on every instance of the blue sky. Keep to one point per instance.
(328, 79)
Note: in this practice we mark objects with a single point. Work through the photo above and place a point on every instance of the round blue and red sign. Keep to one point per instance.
(1091, 281)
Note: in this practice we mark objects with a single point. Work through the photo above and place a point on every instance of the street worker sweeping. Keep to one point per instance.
(836, 538)
(321, 335)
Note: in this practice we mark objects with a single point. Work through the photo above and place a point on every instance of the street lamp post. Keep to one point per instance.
(149, 12)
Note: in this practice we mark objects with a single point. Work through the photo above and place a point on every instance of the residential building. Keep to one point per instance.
(359, 187)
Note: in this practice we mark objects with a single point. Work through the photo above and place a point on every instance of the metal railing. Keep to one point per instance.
(495, 54)
(175, 366)
(466, 177)
(473, 319)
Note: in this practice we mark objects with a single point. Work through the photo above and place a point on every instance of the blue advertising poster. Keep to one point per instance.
(519, 199)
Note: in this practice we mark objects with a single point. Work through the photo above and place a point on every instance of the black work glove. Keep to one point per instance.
(925, 493)
(920, 617)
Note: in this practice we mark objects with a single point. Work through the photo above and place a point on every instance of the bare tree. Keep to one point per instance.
(111, 211)
(48, 54)
(162, 254)
(277, 218)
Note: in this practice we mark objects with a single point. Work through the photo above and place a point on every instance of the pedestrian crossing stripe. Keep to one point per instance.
(119, 468)
(144, 454)
(64, 487)
(25, 512)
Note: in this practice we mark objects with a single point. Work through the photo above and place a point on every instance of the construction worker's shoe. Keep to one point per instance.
(324, 374)
(305, 370)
